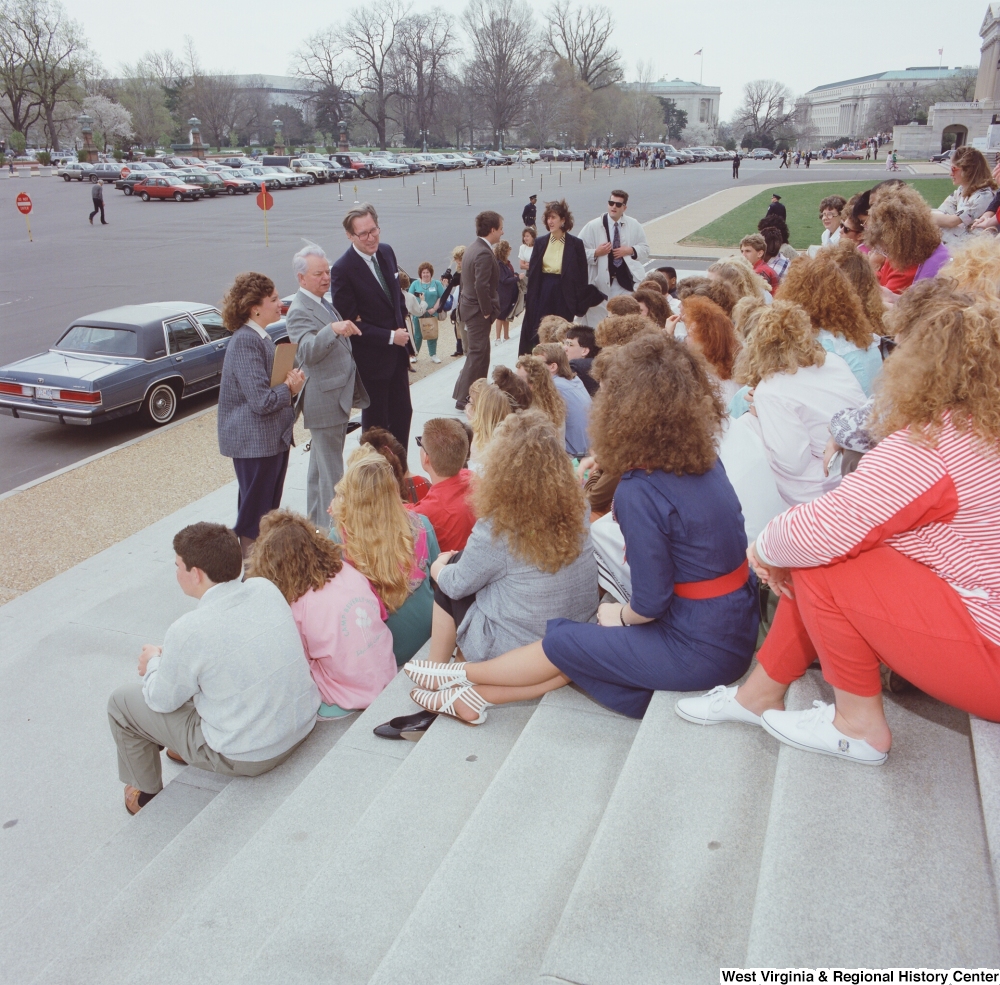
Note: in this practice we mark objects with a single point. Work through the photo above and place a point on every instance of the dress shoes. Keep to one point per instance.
(411, 727)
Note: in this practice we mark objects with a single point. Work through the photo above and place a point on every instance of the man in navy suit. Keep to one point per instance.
(365, 290)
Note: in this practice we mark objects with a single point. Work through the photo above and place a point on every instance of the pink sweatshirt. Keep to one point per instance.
(347, 643)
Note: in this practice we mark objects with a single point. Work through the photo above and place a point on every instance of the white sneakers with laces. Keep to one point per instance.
(717, 706)
(812, 730)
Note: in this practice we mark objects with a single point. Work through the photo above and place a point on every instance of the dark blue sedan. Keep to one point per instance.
(140, 358)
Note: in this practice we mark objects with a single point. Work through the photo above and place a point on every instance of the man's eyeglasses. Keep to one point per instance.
(616, 205)
(368, 233)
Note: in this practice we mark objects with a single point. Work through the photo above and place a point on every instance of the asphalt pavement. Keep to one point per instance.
(154, 251)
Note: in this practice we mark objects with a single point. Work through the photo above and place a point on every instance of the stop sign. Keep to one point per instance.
(125, 172)
(23, 203)
(264, 199)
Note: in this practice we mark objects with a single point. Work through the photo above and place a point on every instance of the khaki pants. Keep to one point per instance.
(140, 733)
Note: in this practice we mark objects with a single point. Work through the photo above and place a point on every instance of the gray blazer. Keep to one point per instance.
(333, 386)
(478, 292)
(514, 599)
(255, 420)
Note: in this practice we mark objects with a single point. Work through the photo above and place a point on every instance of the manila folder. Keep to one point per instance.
(284, 360)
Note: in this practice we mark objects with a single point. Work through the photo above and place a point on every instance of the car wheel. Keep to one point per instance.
(160, 405)
(230, 191)
(145, 196)
(178, 197)
(65, 177)
(312, 179)
(127, 189)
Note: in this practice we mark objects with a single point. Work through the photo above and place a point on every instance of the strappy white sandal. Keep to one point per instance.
(434, 676)
(443, 702)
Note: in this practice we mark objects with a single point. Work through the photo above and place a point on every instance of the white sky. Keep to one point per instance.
(803, 43)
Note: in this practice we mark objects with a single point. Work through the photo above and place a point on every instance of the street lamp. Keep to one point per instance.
(423, 136)
(562, 136)
(499, 136)
(610, 137)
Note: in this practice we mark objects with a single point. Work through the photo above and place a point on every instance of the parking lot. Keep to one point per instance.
(165, 250)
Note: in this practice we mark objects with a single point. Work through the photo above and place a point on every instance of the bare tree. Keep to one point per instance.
(641, 115)
(143, 94)
(215, 100)
(958, 88)
(582, 38)
(505, 60)
(426, 46)
(897, 106)
(20, 105)
(767, 108)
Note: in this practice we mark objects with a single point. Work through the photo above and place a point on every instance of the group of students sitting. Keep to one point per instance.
(678, 458)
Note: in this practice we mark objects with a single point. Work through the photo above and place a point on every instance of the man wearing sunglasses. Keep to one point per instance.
(617, 251)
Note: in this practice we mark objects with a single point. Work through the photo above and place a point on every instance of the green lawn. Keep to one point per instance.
(802, 202)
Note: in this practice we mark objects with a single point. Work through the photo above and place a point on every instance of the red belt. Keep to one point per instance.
(714, 587)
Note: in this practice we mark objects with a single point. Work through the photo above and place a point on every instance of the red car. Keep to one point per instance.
(234, 184)
(167, 186)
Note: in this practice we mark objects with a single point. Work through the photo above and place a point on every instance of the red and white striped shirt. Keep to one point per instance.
(939, 506)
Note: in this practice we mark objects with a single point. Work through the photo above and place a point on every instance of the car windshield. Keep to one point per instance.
(172, 179)
(107, 341)
(284, 170)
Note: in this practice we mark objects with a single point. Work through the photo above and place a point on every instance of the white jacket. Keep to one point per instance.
(593, 234)
(239, 657)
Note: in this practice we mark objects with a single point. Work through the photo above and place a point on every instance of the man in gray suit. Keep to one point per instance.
(478, 301)
(332, 385)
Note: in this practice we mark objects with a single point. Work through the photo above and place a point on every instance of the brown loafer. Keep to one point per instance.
(176, 757)
(132, 796)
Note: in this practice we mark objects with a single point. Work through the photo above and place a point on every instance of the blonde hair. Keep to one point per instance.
(975, 267)
(375, 529)
(742, 311)
(779, 340)
(552, 328)
(544, 395)
(490, 405)
(529, 493)
(736, 272)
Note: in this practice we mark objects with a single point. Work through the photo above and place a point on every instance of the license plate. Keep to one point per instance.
(46, 393)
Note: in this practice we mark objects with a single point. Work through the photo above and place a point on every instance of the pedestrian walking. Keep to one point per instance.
(332, 384)
(479, 301)
(736, 165)
(97, 195)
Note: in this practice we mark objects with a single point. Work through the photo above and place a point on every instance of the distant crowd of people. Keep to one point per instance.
(805, 442)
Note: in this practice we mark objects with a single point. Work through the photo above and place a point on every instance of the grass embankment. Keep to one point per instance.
(802, 202)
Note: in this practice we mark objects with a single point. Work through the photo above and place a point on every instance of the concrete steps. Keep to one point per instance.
(354, 908)
(221, 932)
(878, 866)
(101, 949)
(986, 748)
(668, 886)
(489, 911)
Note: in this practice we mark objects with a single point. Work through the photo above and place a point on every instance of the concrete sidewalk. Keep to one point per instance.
(664, 234)
(65, 645)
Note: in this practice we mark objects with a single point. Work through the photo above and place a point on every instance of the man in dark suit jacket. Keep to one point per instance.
(479, 301)
(365, 290)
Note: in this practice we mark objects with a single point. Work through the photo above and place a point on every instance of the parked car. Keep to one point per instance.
(408, 162)
(761, 154)
(426, 161)
(447, 162)
(313, 170)
(75, 171)
(726, 155)
(237, 162)
(166, 186)
(288, 178)
(156, 165)
(259, 177)
(141, 358)
(386, 168)
(128, 183)
(848, 155)
(212, 184)
(945, 155)
(335, 171)
(234, 184)
(355, 163)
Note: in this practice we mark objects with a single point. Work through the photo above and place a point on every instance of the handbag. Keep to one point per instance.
(429, 327)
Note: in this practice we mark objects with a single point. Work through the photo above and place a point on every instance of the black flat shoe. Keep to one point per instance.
(411, 727)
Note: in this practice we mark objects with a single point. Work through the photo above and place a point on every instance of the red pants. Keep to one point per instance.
(883, 606)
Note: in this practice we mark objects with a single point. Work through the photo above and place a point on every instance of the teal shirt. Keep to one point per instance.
(432, 293)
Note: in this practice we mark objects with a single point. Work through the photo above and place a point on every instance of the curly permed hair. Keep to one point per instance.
(561, 209)
(742, 311)
(291, 553)
(247, 290)
(779, 340)
(544, 395)
(529, 493)
(900, 225)
(657, 305)
(822, 289)
(737, 274)
(552, 328)
(515, 388)
(717, 291)
(619, 329)
(857, 268)
(623, 304)
(656, 409)
(712, 331)
(947, 364)
(975, 267)
(502, 251)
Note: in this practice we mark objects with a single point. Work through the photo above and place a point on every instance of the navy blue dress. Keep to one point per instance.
(677, 528)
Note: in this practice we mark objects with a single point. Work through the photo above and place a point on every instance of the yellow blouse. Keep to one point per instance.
(553, 258)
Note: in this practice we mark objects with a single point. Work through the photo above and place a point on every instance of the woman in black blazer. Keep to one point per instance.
(557, 276)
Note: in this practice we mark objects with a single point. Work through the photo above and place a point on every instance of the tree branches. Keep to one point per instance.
(582, 37)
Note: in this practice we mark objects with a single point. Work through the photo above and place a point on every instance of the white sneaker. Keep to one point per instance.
(813, 731)
(719, 705)
(435, 359)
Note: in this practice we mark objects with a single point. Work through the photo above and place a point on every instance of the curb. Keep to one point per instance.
(106, 452)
